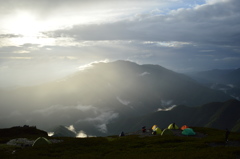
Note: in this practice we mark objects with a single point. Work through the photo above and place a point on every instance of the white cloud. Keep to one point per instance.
(50, 133)
(104, 116)
(72, 116)
(216, 1)
(102, 128)
(124, 102)
(167, 109)
(81, 134)
(144, 74)
(231, 85)
(71, 128)
(101, 120)
(181, 27)
(87, 66)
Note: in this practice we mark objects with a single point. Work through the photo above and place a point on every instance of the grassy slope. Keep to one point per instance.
(210, 146)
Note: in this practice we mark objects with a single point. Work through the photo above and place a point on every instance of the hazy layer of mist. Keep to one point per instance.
(93, 98)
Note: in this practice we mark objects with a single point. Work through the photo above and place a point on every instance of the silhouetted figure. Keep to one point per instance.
(154, 132)
(227, 135)
(144, 129)
(122, 134)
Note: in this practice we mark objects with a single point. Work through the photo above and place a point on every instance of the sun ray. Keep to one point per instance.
(24, 23)
(28, 27)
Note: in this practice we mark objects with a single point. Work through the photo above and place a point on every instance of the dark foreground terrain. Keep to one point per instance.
(208, 143)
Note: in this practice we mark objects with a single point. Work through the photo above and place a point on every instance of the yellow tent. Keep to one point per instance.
(158, 131)
(154, 127)
(167, 132)
(173, 126)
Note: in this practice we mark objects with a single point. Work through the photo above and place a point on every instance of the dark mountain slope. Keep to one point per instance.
(62, 131)
(219, 115)
(227, 81)
(231, 76)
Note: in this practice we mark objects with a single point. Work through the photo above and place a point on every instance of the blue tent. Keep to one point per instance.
(188, 132)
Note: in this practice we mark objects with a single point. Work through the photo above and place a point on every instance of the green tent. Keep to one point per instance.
(173, 126)
(41, 141)
(158, 131)
(167, 132)
(188, 132)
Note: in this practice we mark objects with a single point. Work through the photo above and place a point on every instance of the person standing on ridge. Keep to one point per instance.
(144, 129)
(121, 134)
(227, 135)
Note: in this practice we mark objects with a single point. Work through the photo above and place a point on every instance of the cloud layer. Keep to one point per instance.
(72, 116)
(208, 24)
(182, 36)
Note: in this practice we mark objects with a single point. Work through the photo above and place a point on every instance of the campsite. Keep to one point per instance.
(171, 143)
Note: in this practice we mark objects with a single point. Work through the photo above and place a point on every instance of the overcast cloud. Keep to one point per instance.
(47, 40)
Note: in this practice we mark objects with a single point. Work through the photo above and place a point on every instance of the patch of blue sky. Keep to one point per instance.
(175, 5)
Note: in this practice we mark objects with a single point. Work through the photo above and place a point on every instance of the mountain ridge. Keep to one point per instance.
(227, 81)
(220, 115)
(92, 98)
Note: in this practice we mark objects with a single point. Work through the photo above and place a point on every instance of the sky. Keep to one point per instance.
(42, 40)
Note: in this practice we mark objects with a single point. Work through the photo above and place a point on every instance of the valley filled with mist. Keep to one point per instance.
(106, 98)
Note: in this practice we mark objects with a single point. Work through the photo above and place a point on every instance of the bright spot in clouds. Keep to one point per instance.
(89, 65)
(62, 35)
(25, 24)
(27, 28)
